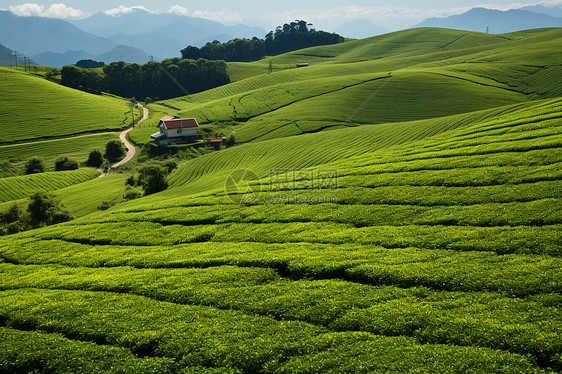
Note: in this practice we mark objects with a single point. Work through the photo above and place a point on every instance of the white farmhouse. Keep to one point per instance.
(174, 130)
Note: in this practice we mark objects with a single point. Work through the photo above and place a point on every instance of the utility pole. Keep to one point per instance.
(132, 115)
(25, 64)
(16, 58)
(270, 67)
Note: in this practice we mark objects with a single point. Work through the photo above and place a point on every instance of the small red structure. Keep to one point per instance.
(215, 140)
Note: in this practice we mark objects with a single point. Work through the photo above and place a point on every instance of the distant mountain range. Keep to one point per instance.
(360, 29)
(55, 42)
(496, 21)
(552, 11)
(34, 35)
(6, 56)
(131, 37)
(162, 35)
(139, 35)
(119, 53)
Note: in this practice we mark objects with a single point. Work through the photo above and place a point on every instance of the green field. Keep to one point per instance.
(57, 111)
(402, 223)
(77, 148)
(15, 188)
(403, 76)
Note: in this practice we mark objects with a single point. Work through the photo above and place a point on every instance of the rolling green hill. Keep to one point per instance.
(436, 246)
(369, 222)
(402, 76)
(15, 188)
(77, 147)
(57, 110)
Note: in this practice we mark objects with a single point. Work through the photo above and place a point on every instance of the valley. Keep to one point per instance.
(392, 207)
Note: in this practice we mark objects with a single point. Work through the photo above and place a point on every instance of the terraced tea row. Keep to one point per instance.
(203, 336)
(15, 188)
(77, 148)
(430, 245)
(512, 274)
(334, 304)
(73, 112)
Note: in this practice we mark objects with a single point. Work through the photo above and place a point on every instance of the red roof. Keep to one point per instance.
(215, 140)
(180, 123)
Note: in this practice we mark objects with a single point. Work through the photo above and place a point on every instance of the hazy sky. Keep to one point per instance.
(326, 14)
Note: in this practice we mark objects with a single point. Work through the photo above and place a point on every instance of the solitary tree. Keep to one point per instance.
(114, 150)
(95, 159)
(231, 141)
(45, 208)
(34, 166)
(152, 178)
(65, 163)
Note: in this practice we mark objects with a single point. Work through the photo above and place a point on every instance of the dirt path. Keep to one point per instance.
(130, 148)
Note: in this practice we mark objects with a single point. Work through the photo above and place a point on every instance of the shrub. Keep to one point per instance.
(114, 150)
(131, 193)
(58, 214)
(13, 220)
(50, 74)
(65, 163)
(105, 205)
(130, 181)
(231, 142)
(170, 165)
(45, 208)
(152, 178)
(95, 159)
(34, 166)
(13, 214)
(105, 166)
(15, 227)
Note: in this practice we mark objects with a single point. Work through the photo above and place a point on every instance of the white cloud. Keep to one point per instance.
(53, 11)
(221, 16)
(393, 18)
(179, 11)
(551, 3)
(116, 12)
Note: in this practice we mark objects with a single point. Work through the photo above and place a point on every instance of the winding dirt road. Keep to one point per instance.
(130, 148)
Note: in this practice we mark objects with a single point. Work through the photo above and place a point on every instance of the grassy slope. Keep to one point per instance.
(440, 250)
(82, 198)
(57, 110)
(432, 71)
(77, 148)
(15, 188)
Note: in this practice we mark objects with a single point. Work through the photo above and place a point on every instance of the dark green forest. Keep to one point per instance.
(167, 79)
(289, 37)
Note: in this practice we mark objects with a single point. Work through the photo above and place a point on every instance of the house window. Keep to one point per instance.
(179, 131)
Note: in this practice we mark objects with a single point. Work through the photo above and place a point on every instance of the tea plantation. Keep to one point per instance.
(423, 235)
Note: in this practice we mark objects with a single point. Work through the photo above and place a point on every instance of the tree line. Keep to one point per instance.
(167, 79)
(289, 37)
